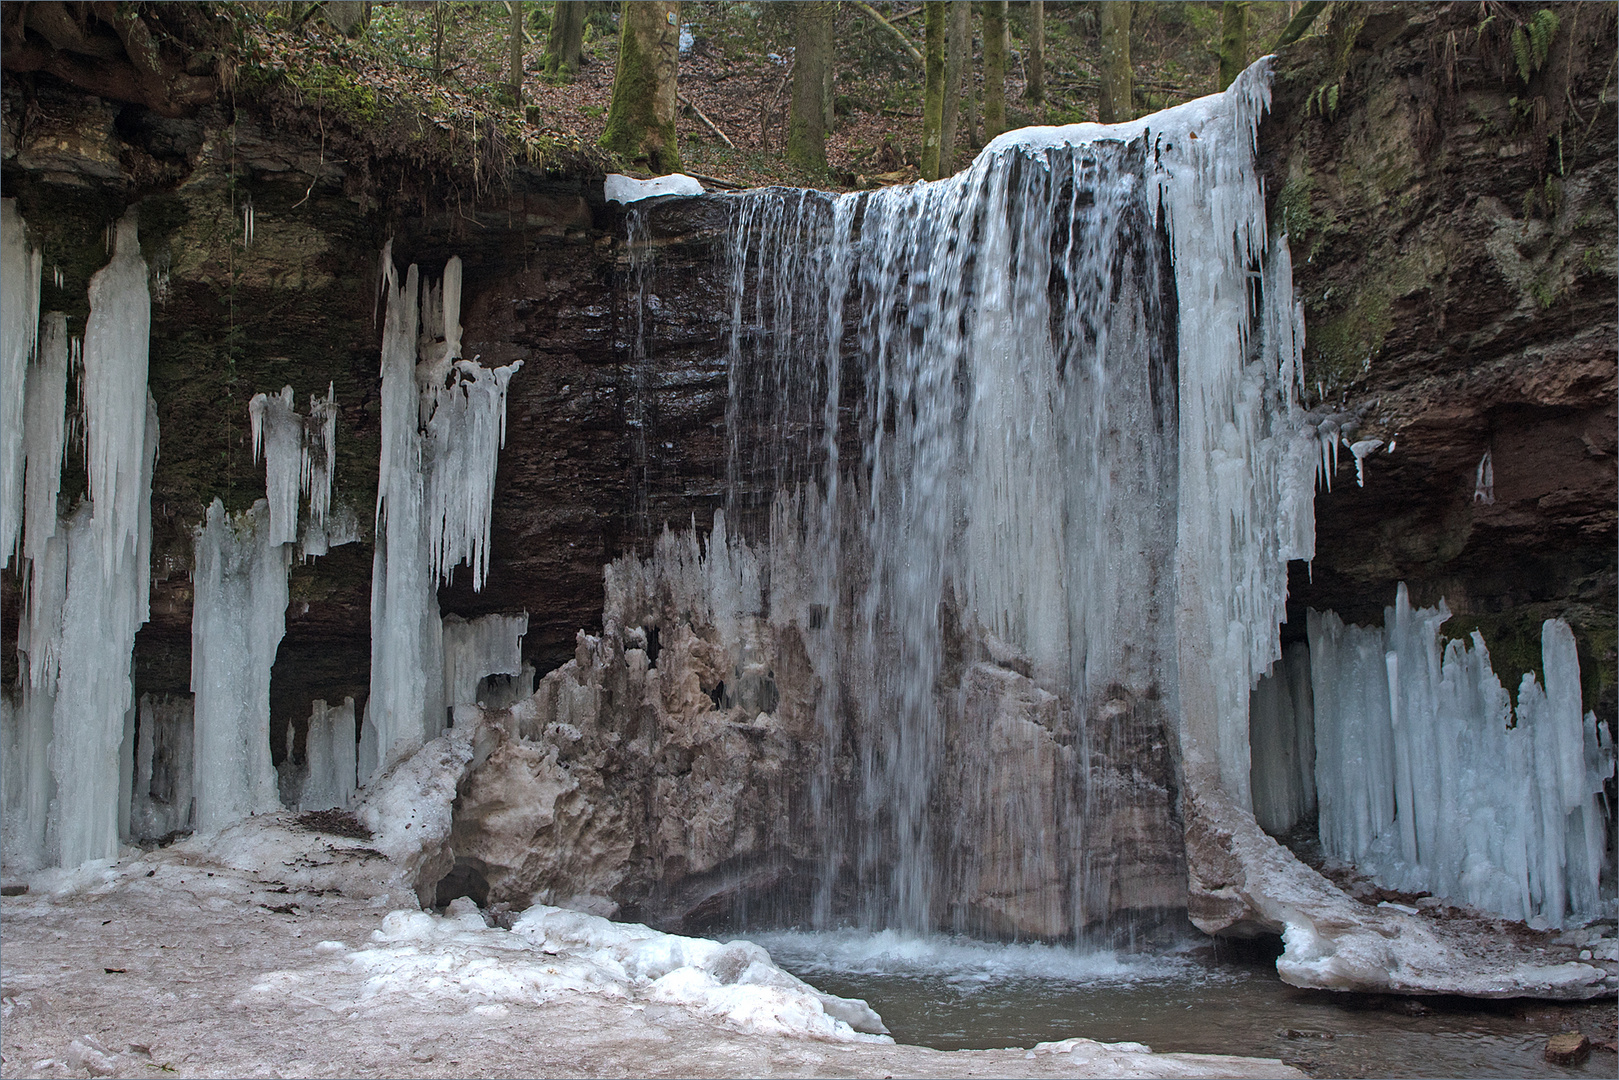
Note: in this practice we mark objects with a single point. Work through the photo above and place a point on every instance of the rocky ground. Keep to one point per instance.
(270, 952)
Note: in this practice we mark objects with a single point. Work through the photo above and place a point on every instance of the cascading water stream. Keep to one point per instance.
(959, 418)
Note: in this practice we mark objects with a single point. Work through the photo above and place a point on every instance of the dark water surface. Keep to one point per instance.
(960, 994)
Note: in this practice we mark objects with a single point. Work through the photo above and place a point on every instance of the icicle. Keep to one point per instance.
(329, 758)
(320, 455)
(163, 767)
(462, 451)
(406, 706)
(1484, 481)
(1427, 785)
(115, 360)
(238, 618)
(1361, 448)
(279, 431)
(20, 268)
(45, 430)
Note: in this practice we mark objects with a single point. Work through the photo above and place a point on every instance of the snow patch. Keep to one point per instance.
(627, 189)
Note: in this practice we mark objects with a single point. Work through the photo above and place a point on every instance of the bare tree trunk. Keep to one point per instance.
(812, 60)
(1233, 40)
(995, 48)
(516, 58)
(438, 42)
(1115, 105)
(1035, 52)
(935, 16)
(566, 45)
(641, 119)
(955, 53)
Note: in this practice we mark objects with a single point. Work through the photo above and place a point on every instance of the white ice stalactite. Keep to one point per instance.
(109, 543)
(20, 267)
(1484, 481)
(164, 748)
(1429, 783)
(462, 448)
(278, 437)
(406, 704)
(116, 339)
(1282, 727)
(320, 455)
(329, 758)
(44, 435)
(443, 424)
(1361, 448)
(238, 618)
(477, 648)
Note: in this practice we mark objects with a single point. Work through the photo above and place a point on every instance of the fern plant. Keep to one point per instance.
(1532, 44)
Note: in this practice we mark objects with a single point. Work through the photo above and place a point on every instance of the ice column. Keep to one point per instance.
(164, 753)
(20, 267)
(1281, 724)
(278, 436)
(1429, 783)
(108, 559)
(329, 758)
(476, 648)
(238, 617)
(406, 706)
(443, 424)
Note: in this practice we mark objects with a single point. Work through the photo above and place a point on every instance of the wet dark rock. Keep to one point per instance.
(1569, 1048)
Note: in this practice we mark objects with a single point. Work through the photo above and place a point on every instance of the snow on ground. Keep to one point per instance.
(272, 949)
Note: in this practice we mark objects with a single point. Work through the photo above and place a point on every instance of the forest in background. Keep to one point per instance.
(376, 65)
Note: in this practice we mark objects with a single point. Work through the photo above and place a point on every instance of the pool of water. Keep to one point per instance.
(955, 993)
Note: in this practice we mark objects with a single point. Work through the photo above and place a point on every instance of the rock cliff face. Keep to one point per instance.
(1454, 235)
(1452, 226)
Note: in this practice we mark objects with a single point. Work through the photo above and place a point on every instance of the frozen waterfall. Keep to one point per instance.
(20, 267)
(1430, 781)
(443, 423)
(1057, 441)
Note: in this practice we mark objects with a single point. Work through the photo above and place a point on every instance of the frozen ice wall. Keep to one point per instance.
(1281, 725)
(1430, 781)
(278, 433)
(443, 423)
(161, 800)
(477, 648)
(238, 617)
(329, 758)
(20, 267)
(1029, 462)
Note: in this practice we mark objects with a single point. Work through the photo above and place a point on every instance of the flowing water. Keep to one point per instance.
(956, 993)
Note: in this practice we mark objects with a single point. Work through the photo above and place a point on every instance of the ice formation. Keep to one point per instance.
(552, 951)
(93, 573)
(238, 617)
(278, 433)
(1283, 735)
(44, 430)
(1030, 457)
(627, 189)
(161, 800)
(443, 423)
(329, 758)
(1484, 481)
(1430, 781)
(116, 338)
(477, 648)
(20, 267)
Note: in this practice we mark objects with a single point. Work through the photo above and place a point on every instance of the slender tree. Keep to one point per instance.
(995, 49)
(1299, 23)
(1115, 105)
(515, 60)
(1035, 53)
(935, 14)
(812, 59)
(566, 45)
(641, 119)
(958, 43)
(1233, 40)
